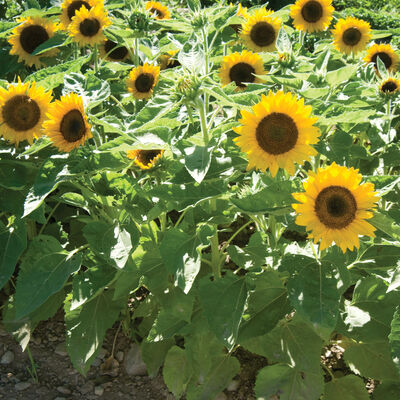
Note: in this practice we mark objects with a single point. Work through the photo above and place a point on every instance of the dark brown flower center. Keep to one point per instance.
(389, 87)
(147, 156)
(351, 36)
(32, 36)
(384, 57)
(263, 34)
(158, 12)
(21, 113)
(335, 207)
(277, 133)
(115, 51)
(144, 82)
(312, 11)
(72, 126)
(89, 27)
(241, 72)
(76, 6)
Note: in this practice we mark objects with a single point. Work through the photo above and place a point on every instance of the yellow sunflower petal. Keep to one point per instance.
(145, 159)
(142, 80)
(311, 15)
(160, 11)
(386, 53)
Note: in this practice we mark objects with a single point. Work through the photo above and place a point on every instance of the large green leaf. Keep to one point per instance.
(287, 383)
(394, 338)
(386, 224)
(87, 326)
(12, 244)
(55, 41)
(197, 161)
(379, 257)
(154, 354)
(386, 390)
(349, 387)
(44, 270)
(223, 301)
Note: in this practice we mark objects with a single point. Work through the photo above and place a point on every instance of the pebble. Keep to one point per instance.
(96, 362)
(22, 386)
(3, 332)
(102, 353)
(63, 390)
(59, 398)
(61, 349)
(120, 356)
(233, 386)
(37, 340)
(98, 391)
(8, 358)
(133, 362)
(86, 388)
(221, 396)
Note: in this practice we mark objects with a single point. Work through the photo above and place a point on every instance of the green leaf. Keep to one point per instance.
(394, 338)
(87, 326)
(340, 75)
(154, 354)
(197, 161)
(386, 390)
(379, 257)
(386, 224)
(223, 301)
(286, 383)
(16, 175)
(349, 387)
(266, 305)
(51, 174)
(55, 41)
(44, 270)
(112, 243)
(12, 244)
(177, 371)
(371, 360)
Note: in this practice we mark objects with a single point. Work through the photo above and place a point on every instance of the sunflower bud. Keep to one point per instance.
(188, 87)
(199, 19)
(139, 23)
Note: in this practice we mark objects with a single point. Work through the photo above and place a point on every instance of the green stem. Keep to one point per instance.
(227, 243)
(32, 371)
(163, 221)
(180, 218)
(96, 58)
(215, 256)
(203, 121)
(207, 66)
(136, 61)
(48, 218)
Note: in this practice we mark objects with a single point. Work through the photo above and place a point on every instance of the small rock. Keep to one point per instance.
(133, 362)
(8, 358)
(96, 362)
(37, 340)
(102, 353)
(22, 386)
(59, 398)
(3, 332)
(233, 386)
(61, 349)
(221, 396)
(63, 390)
(98, 391)
(86, 388)
(120, 356)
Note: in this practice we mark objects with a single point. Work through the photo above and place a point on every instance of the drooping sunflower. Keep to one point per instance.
(28, 35)
(113, 51)
(311, 15)
(167, 60)
(145, 159)
(69, 7)
(67, 125)
(87, 26)
(241, 68)
(278, 133)
(386, 53)
(389, 86)
(22, 111)
(142, 80)
(351, 35)
(335, 205)
(160, 11)
(260, 30)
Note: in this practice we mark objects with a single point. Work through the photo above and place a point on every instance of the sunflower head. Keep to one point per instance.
(260, 30)
(28, 35)
(351, 35)
(87, 26)
(158, 10)
(278, 133)
(22, 111)
(145, 159)
(142, 80)
(69, 7)
(386, 53)
(334, 207)
(241, 68)
(67, 125)
(167, 60)
(113, 51)
(311, 15)
(389, 86)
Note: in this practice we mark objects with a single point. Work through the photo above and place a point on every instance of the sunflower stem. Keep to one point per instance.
(136, 60)
(48, 218)
(207, 66)
(96, 58)
(203, 121)
(215, 255)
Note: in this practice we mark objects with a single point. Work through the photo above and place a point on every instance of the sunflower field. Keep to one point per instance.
(213, 178)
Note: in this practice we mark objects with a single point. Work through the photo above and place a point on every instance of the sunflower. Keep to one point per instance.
(242, 11)
(142, 79)
(311, 15)
(69, 7)
(334, 207)
(160, 11)
(28, 35)
(240, 68)
(260, 30)
(113, 51)
(386, 53)
(351, 35)
(389, 86)
(22, 111)
(87, 25)
(278, 133)
(167, 60)
(145, 159)
(67, 125)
